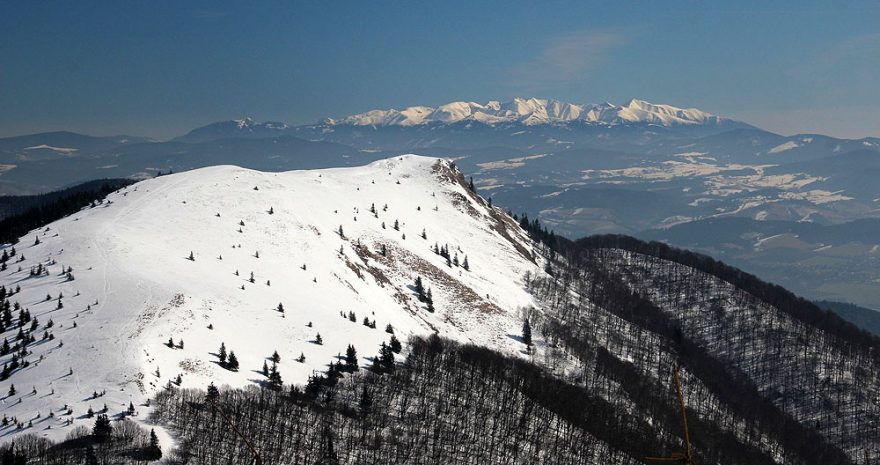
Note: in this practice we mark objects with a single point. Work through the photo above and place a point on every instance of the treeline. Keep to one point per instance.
(452, 403)
(447, 403)
(537, 231)
(24, 213)
(108, 442)
(772, 294)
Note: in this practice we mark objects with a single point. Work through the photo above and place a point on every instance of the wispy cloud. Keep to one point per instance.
(566, 59)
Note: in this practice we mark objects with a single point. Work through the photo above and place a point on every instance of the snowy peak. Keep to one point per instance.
(533, 111)
(640, 110)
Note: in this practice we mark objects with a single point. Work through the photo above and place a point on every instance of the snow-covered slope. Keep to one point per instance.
(533, 111)
(135, 286)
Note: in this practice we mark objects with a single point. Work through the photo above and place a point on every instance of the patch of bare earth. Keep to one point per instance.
(463, 296)
(499, 222)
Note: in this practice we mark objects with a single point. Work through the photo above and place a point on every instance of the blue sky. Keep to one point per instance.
(162, 68)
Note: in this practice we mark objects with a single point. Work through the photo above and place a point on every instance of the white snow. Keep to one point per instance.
(129, 259)
(783, 147)
(531, 111)
(62, 150)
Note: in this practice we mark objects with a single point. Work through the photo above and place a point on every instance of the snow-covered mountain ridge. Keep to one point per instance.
(532, 111)
(320, 243)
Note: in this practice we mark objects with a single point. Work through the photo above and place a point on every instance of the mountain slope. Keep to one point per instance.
(782, 376)
(865, 318)
(145, 287)
(135, 287)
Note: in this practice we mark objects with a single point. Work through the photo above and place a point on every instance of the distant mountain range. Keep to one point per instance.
(581, 168)
(534, 111)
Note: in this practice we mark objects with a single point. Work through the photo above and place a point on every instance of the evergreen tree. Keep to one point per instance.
(385, 361)
(213, 393)
(429, 300)
(465, 264)
(527, 333)
(275, 382)
(233, 361)
(351, 361)
(313, 385)
(191, 256)
(11, 390)
(318, 339)
(265, 369)
(102, 429)
(221, 354)
(275, 357)
(153, 452)
(420, 289)
(395, 344)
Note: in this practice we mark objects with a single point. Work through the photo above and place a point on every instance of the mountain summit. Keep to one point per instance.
(242, 128)
(533, 111)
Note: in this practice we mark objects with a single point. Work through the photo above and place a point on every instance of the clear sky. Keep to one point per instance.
(161, 68)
